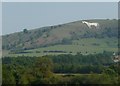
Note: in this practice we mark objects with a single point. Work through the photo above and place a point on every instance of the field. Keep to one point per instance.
(84, 46)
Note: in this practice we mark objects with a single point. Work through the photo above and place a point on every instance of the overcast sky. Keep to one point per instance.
(19, 15)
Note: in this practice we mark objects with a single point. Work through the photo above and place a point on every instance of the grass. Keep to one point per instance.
(89, 45)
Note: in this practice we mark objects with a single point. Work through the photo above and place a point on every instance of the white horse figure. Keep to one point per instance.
(90, 24)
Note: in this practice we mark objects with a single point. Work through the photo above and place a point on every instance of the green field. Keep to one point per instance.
(84, 46)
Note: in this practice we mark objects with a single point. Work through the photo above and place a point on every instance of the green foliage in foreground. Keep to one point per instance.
(41, 70)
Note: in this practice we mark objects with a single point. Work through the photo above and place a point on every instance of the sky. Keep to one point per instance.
(30, 15)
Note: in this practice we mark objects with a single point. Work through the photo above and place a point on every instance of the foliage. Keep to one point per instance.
(61, 69)
(25, 30)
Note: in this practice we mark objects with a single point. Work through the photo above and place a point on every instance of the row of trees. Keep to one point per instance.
(42, 70)
(15, 73)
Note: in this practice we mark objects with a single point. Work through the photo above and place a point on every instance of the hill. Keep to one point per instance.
(64, 38)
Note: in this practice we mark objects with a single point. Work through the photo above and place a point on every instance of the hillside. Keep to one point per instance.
(68, 36)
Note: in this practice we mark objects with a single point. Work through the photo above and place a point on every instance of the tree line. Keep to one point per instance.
(44, 70)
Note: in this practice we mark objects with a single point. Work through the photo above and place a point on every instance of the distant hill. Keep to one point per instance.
(71, 37)
(60, 34)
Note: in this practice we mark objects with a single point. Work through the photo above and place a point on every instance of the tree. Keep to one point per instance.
(42, 70)
(7, 75)
(109, 71)
(25, 30)
(45, 66)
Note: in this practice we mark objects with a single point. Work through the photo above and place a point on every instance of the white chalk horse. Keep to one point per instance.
(91, 24)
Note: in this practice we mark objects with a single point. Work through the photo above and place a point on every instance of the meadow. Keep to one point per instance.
(83, 46)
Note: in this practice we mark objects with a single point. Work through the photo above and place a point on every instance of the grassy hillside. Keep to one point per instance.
(67, 38)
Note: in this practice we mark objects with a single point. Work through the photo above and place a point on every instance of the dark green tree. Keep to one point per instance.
(25, 30)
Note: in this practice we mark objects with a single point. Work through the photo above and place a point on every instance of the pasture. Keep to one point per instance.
(83, 46)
